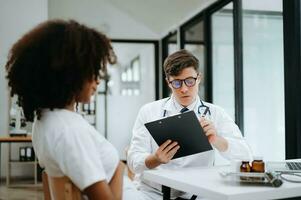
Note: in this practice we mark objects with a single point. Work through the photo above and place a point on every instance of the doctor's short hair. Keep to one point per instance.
(176, 62)
(48, 67)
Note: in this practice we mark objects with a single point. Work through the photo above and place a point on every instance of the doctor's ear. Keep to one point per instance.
(200, 78)
(167, 82)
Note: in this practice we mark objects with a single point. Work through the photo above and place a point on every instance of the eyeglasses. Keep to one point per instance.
(189, 82)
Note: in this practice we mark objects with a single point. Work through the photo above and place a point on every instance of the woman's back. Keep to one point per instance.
(67, 145)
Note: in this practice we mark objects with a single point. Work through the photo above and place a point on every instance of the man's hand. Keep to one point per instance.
(217, 141)
(166, 151)
(163, 155)
(209, 129)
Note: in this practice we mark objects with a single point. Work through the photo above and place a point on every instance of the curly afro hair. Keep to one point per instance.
(48, 66)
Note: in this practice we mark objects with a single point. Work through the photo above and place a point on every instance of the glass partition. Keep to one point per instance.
(223, 63)
(223, 59)
(194, 42)
(264, 78)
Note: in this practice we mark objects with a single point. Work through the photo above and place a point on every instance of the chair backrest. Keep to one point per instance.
(59, 188)
(130, 173)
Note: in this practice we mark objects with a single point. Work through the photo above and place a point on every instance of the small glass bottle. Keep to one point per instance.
(245, 167)
(258, 165)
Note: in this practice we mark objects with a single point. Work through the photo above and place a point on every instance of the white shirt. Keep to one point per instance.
(142, 143)
(67, 145)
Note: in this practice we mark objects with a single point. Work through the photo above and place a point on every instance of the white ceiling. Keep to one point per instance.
(129, 19)
(161, 15)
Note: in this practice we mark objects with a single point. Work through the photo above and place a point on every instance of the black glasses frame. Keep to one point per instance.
(183, 80)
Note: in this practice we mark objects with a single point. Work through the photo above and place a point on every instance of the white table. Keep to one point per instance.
(207, 182)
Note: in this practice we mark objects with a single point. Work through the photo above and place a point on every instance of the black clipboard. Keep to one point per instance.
(183, 128)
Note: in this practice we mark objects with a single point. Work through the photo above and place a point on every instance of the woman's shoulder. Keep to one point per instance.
(61, 117)
(60, 123)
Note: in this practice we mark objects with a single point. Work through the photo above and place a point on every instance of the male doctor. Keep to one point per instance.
(183, 78)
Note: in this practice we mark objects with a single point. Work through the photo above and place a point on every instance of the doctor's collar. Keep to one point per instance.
(193, 105)
(168, 104)
(172, 104)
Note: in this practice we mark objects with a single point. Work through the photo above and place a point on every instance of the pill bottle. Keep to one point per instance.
(258, 164)
(245, 166)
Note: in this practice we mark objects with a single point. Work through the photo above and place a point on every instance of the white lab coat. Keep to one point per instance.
(142, 144)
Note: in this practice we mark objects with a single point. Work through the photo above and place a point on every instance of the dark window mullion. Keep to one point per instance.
(238, 64)
(165, 89)
(292, 74)
(182, 37)
(208, 57)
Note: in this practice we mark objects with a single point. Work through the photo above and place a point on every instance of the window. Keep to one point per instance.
(194, 42)
(130, 78)
(223, 59)
(263, 78)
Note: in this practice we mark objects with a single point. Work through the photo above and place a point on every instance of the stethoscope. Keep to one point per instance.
(200, 109)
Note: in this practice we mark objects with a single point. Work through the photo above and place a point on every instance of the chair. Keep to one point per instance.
(130, 173)
(59, 188)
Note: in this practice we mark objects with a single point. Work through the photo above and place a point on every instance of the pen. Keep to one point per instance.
(205, 112)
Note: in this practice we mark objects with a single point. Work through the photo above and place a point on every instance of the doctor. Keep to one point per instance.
(183, 78)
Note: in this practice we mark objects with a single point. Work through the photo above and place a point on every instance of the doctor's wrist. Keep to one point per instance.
(152, 161)
(220, 143)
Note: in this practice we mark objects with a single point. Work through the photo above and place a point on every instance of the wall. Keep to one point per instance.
(16, 17)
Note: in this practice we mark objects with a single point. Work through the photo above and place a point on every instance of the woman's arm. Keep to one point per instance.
(103, 190)
(100, 190)
(117, 181)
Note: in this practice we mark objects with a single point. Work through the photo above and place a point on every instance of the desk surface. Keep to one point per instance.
(9, 139)
(207, 182)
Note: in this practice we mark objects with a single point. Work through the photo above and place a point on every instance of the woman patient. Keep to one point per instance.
(52, 68)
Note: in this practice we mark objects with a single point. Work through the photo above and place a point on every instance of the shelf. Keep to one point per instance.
(11, 162)
(25, 185)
